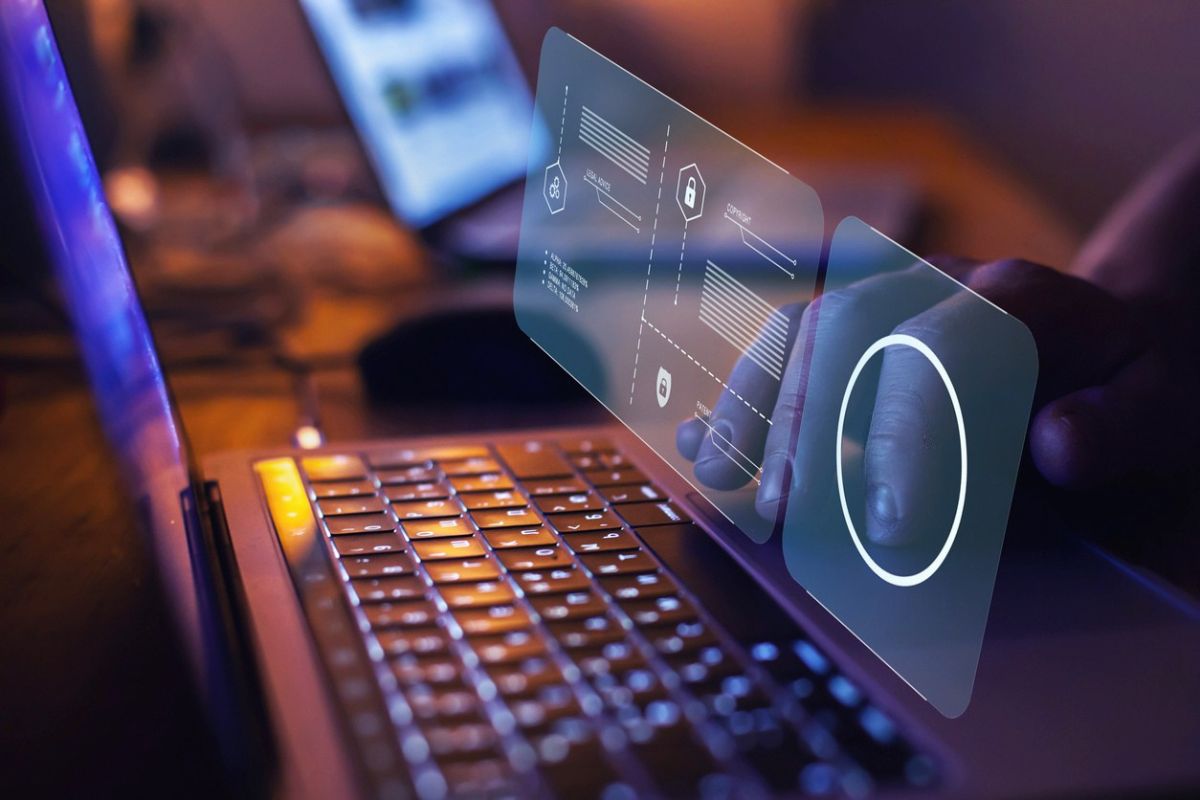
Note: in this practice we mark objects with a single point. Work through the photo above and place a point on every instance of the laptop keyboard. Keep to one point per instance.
(538, 618)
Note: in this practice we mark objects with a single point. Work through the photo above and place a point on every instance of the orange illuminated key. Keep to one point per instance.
(408, 492)
(495, 619)
(601, 541)
(455, 547)
(619, 562)
(505, 538)
(333, 468)
(469, 595)
(534, 558)
(343, 489)
(469, 466)
(590, 521)
(468, 570)
(359, 523)
(437, 528)
(337, 506)
(481, 501)
(557, 504)
(489, 482)
(428, 509)
(568, 606)
(510, 518)
(555, 486)
(552, 581)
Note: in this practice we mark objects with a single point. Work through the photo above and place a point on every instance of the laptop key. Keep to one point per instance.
(586, 632)
(533, 460)
(480, 501)
(469, 570)
(449, 547)
(421, 473)
(509, 648)
(666, 610)
(553, 581)
(572, 605)
(644, 514)
(590, 521)
(436, 670)
(510, 518)
(408, 492)
(681, 637)
(586, 444)
(356, 544)
(415, 641)
(488, 777)
(526, 558)
(359, 523)
(545, 486)
(631, 493)
(469, 739)
(632, 587)
(377, 590)
(472, 595)
(343, 489)
(601, 541)
(525, 678)
(505, 538)
(618, 563)
(338, 506)
(557, 504)
(333, 468)
(417, 613)
(378, 566)
(417, 455)
(615, 477)
(416, 530)
(489, 482)
(428, 509)
(477, 465)
(495, 619)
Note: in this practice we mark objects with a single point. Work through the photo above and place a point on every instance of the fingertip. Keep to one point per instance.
(688, 438)
(1062, 443)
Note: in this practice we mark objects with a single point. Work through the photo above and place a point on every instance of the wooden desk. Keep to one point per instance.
(92, 691)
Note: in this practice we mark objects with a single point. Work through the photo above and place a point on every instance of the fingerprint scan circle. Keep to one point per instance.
(904, 340)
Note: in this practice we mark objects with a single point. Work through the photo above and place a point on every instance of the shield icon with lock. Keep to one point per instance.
(662, 391)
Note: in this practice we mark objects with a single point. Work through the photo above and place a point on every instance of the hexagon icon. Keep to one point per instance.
(554, 188)
(689, 193)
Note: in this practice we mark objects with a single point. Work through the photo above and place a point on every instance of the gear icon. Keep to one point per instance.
(555, 188)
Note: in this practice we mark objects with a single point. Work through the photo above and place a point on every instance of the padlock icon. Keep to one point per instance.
(663, 391)
(664, 387)
(689, 193)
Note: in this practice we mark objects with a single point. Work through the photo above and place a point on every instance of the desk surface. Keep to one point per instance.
(94, 696)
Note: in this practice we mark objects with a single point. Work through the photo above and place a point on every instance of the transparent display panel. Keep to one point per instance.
(867, 438)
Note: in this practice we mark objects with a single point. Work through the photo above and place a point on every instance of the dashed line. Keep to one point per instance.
(691, 358)
(637, 352)
(679, 273)
(562, 125)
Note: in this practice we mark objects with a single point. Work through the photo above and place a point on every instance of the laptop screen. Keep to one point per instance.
(435, 93)
(84, 251)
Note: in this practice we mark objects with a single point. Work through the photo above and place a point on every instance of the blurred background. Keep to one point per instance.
(284, 285)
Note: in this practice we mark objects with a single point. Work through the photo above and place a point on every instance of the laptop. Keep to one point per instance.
(556, 613)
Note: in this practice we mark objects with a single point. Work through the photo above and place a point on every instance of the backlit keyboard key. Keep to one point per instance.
(681, 638)
(469, 466)
(378, 590)
(436, 670)
(619, 563)
(631, 493)
(357, 544)
(480, 501)
(666, 610)
(343, 489)
(408, 492)
(558, 504)
(586, 444)
(469, 570)
(552, 581)
(525, 677)
(378, 566)
(333, 468)
(633, 587)
(533, 460)
(415, 641)
(510, 518)
(490, 482)
(476, 594)
(417, 613)
(428, 509)
(464, 547)
(416, 474)
(554, 486)
(645, 514)
(571, 605)
(416, 455)
(350, 505)
(359, 523)
(474, 739)
(615, 477)
(600, 541)
(586, 631)
(590, 521)
(526, 558)
(496, 619)
(437, 528)
(505, 538)
(509, 647)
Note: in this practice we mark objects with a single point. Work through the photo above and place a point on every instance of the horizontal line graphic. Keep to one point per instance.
(745, 320)
(614, 144)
